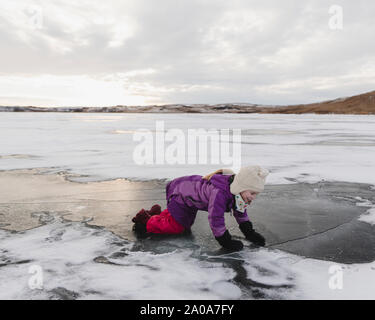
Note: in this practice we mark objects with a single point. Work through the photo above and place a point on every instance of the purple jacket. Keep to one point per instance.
(186, 195)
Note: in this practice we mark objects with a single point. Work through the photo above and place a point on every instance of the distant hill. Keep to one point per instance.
(360, 104)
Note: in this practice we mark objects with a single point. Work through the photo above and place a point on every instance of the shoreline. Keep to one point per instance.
(267, 111)
(362, 104)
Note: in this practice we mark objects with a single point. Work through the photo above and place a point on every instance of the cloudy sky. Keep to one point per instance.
(137, 52)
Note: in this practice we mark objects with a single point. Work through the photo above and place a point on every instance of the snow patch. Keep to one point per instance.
(80, 262)
(76, 260)
(368, 217)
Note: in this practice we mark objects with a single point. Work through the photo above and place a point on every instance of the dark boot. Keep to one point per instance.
(141, 217)
(155, 210)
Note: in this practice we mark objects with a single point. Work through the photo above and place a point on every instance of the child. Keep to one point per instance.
(217, 193)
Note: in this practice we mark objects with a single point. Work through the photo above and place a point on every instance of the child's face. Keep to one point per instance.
(248, 195)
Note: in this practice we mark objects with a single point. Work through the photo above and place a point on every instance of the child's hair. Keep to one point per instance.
(219, 171)
(209, 176)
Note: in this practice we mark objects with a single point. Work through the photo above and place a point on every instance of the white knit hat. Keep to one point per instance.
(249, 178)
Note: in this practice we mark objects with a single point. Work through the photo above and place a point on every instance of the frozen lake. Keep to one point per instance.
(303, 147)
(317, 211)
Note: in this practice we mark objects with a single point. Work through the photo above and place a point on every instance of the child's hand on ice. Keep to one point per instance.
(251, 235)
(226, 241)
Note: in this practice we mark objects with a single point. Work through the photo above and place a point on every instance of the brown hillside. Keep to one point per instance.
(360, 104)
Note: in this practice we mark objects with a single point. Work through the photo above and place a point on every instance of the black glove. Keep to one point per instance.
(226, 241)
(251, 235)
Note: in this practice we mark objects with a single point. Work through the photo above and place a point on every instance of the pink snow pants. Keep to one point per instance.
(164, 223)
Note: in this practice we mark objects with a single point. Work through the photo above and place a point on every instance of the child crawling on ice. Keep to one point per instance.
(219, 192)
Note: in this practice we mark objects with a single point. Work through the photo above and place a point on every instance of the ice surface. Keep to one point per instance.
(72, 257)
(81, 262)
(306, 147)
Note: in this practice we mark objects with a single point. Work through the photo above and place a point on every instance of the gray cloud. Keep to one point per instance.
(199, 51)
